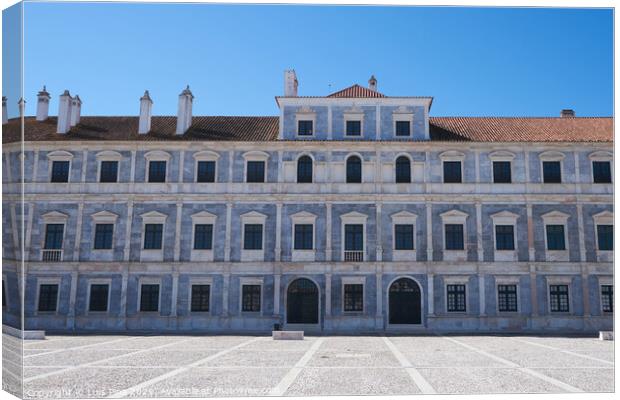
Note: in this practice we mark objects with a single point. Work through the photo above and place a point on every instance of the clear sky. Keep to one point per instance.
(473, 61)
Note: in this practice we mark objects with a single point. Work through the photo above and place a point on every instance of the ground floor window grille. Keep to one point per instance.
(98, 297)
(353, 297)
(251, 298)
(507, 298)
(149, 297)
(48, 297)
(200, 298)
(607, 298)
(558, 298)
(456, 298)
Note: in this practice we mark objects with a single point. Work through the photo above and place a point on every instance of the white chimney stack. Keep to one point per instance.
(64, 113)
(372, 83)
(43, 104)
(5, 116)
(290, 83)
(146, 104)
(184, 115)
(76, 110)
(21, 104)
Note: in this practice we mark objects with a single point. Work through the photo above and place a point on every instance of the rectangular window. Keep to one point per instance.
(601, 171)
(354, 297)
(109, 171)
(507, 298)
(253, 237)
(501, 172)
(149, 297)
(60, 171)
(558, 298)
(206, 171)
(454, 237)
(354, 237)
(403, 237)
(157, 171)
(48, 297)
(200, 298)
(607, 298)
(250, 298)
(203, 236)
(552, 172)
(354, 128)
(555, 237)
(153, 236)
(605, 235)
(403, 128)
(452, 172)
(98, 297)
(456, 298)
(304, 236)
(304, 128)
(53, 236)
(504, 237)
(103, 236)
(3, 294)
(256, 171)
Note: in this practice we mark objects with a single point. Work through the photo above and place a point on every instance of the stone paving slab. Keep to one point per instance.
(172, 358)
(586, 379)
(72, 357)
(542, 358)
(350, 358)
(449, 359)
(255, 358)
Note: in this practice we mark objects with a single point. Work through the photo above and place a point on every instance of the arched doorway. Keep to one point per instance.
(405, 302)
(302, 302)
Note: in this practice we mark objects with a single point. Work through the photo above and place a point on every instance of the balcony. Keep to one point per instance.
(353, 255)
(52, 255)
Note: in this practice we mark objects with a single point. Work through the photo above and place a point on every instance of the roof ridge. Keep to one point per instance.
(522, 117)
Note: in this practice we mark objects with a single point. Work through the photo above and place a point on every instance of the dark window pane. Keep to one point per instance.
(452, 172)
(53, 236)
(60, 171)
(607, 298)
(501, 172)
(404, 237)
(109, 171)
(103, 236)
(98, 297)
(403, 170)
(200, 298)
(303, 236)
(206, 171)
(558, 298)
(605, 235)
(552, 172)
(256, 171)
(354, 237)
(304, 169)
(251, 298)
(48, 297)
(555, 237)
(157, 171)
(354, 128)
(454, 237)
(4, 294)
(304, 128)
(403, 128)
(253, 237)
(149, 297)
(354, 170)
(504, 237)
(456, 298)
(601, 171)
(203, 236)
(354, 297)
(153, 236)
(507, 298)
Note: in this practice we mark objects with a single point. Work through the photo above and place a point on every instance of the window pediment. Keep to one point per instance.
(303, 215)
(153, 217)
(504, 218)
(253, 217)
(502, 155)
(354, 217)
(104, 216)
(206, 155)
(255, 155)
(454, 216)
(604, 218)
(555, 217)
(60, 155)
(203, 217)
(404, 217)
(601, 156)
(305, 110)
(54, 217)
(109, 155)
(452, 155)
(157, 155)
(551, 156)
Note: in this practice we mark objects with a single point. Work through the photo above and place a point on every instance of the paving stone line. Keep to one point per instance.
(292, 374)
(548, 379)
(422, 384)
(142, 385)
(546, 346)
(85, 346)
(88, 364)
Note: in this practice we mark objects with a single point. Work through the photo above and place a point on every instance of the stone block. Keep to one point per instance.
(288, 335)
(606, 335)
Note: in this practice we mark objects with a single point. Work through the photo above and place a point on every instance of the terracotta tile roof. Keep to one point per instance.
(357, 91)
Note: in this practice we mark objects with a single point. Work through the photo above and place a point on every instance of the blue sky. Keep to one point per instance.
(473, 61)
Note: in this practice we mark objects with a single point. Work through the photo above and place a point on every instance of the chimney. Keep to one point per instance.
(567, 113)
(372, 83)
(76, 109)
(43, 104)
(5, 117)
(184, 115)
(64, 113)
(21, 104)
(146, 104)
(290, 83)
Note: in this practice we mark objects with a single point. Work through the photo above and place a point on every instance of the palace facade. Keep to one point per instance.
(351, 212)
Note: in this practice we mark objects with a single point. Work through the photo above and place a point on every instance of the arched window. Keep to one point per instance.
(304, 169)
(403, 170)
(354, 170)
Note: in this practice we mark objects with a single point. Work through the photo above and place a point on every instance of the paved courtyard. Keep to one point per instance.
(185, 366)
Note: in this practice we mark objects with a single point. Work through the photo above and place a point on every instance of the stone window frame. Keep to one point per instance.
(551, 155)
(507, 280)
(5, 290)
(314, 163)
(411, 163)
(202, 280)
(346, 162)
(249, 218)
(157, 155)
(303, 218)
(55, 217)
(503, 155)
(58, 155)
(505, 218)
(103, 217)
(206, 155)
(47, 281)
(455, 217)
(560, 280)
(153, 217)
(149, 280)
(108, 155)
(353, 114)
(98, 281)
(353, 280)
(353, 218)
(402, 114)
(200, 218)
(404, 217)
(452, 155)
(305, 114)
(246, 280)
(601, 155)
(604, 281)
(456, 280)
(255, 155)
(603, 218)
(556, 218)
